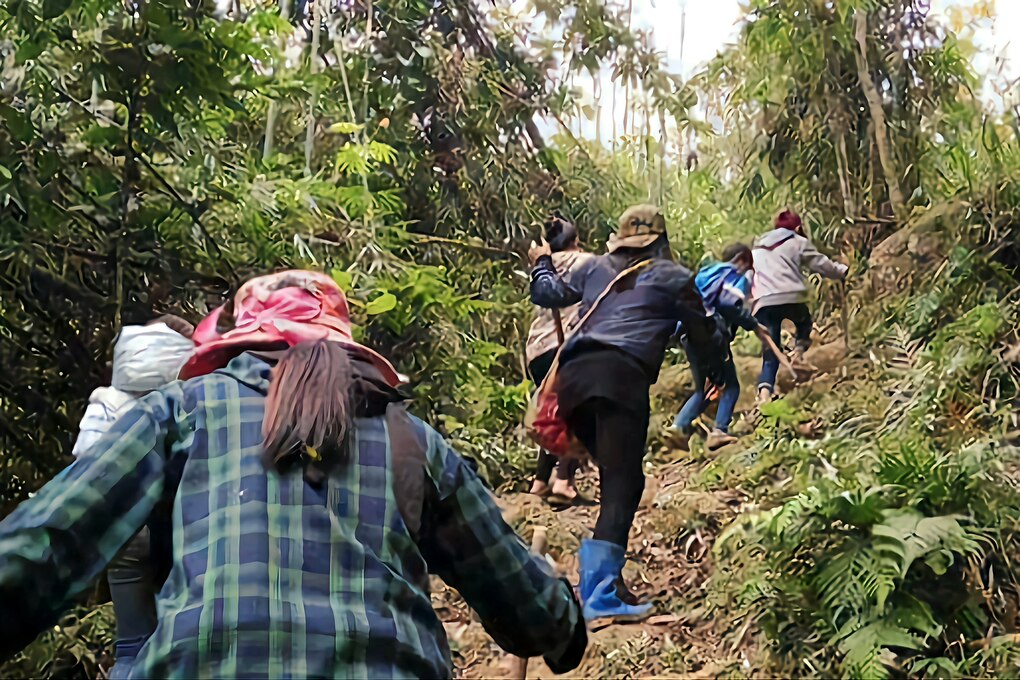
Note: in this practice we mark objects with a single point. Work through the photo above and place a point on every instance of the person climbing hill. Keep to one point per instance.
(724, 289)
(636, 295)
(145, 358)
(549, 330)
(780, 292)
(309, 508)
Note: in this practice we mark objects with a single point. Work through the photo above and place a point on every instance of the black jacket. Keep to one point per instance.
(640, 314)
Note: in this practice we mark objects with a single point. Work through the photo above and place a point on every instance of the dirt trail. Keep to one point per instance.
(669, 564)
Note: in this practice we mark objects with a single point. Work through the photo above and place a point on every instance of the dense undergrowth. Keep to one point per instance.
(881, 542)
(887, 546)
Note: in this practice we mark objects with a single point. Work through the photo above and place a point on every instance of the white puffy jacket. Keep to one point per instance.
(779, 258)
(145, 358)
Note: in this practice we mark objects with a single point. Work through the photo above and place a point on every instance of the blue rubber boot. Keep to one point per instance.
(601, 565)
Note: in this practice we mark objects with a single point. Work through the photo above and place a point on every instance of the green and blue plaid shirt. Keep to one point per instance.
(272, 577)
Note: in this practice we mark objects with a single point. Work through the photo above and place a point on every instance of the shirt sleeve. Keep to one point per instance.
(522, 605)
(93, 424)
(549, 290)
(820, 264)
(100, 415)
(56, 543)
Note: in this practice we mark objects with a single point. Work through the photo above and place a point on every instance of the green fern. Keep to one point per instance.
(870, 646)
(866, 652)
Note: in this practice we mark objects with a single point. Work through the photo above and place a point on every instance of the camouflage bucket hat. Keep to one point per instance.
(639, 226)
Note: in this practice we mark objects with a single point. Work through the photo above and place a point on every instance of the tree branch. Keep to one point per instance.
(192, 212)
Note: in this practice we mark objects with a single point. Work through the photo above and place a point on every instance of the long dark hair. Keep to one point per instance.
(308, 407)
(559, 232)
(736, 251)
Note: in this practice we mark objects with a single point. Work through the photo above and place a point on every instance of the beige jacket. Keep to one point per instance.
(542, 336)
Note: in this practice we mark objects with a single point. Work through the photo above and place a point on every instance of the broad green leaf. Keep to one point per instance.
(344, 279)
(52, 9)
(381, 304)
(4, 172)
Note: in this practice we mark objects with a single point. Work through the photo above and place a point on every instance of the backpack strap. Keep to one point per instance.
(409, 455)
(580, 324)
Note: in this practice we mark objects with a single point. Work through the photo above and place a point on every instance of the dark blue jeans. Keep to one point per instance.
(133, 593)
(772, 318)
(697, 403)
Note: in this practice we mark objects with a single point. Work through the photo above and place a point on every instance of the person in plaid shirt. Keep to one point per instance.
(308, 509)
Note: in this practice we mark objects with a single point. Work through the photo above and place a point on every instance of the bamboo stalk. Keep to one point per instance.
(662, 155)
(369, 30)
(274, 106)
(647, 133)
(626, 91)
(613, 116)
(313, 97)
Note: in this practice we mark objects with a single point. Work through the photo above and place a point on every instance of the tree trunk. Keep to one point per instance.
(663, 140)
(838, 128)
(613, 116)
(313, 97)
(274, 107)
(874, 100)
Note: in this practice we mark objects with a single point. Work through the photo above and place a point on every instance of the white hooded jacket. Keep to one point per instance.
(779, 258)
(145, 358)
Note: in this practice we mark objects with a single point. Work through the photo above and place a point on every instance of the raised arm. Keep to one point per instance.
(55, 544)
(820, 264)
(522, 605)
(548, 289)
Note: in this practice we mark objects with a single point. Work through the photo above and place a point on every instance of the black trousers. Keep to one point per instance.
(133, 591)
(615, 436)
(772, 318)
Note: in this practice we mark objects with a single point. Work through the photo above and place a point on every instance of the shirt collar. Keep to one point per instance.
(250, 370)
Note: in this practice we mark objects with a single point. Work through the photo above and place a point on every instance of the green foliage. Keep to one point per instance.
(879, 540)
(79, 646)
(152, 160)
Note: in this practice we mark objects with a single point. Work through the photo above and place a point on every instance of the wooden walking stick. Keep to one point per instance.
(538, 543)
(560, 335)
(844, 315)
(784, 360)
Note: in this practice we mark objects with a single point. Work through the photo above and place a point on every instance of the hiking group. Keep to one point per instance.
(265, 505)
(619, 313)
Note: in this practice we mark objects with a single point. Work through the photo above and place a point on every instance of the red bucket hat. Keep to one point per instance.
(280, 310)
